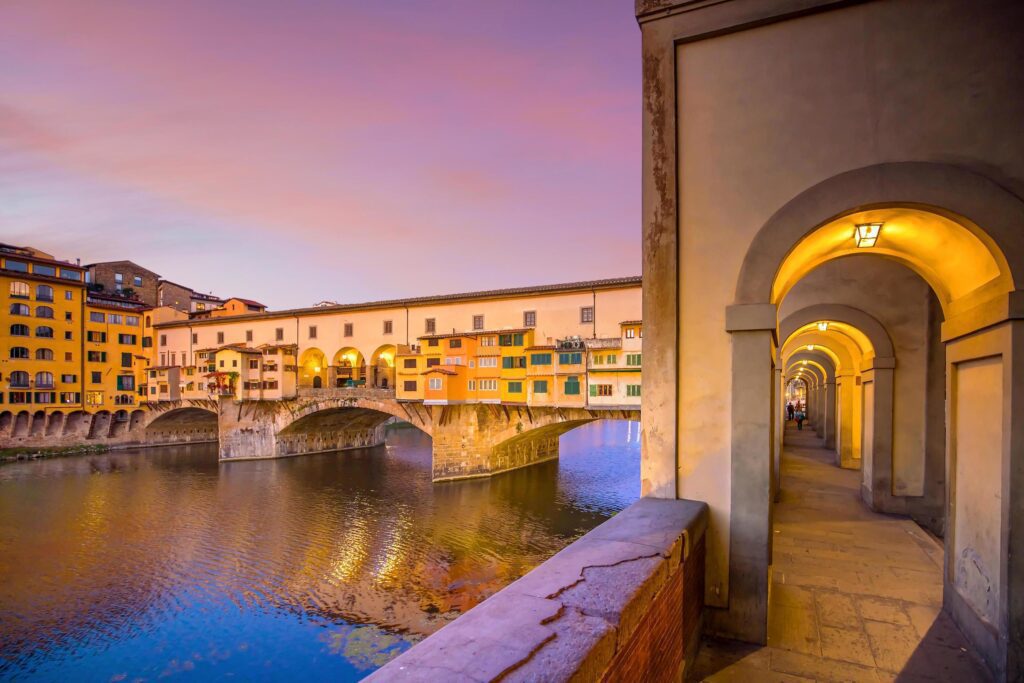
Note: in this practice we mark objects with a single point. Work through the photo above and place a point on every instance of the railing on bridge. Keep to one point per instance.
(346, 392)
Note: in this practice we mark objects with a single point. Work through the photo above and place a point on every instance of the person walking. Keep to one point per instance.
(800, 417)
(790, 410)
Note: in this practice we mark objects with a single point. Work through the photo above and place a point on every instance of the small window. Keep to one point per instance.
(96, 377)
(435, 383)
(126, 360)
(587, 314)
(195, 338)
(312, 332)
(68, 356)
(20, 309)
(348, 329)
(632, 390)
(630, 333)
(478, 322)
(68, 336)
(130, 339)
(44, 293)
(431, 362)
(132, 320)
(633, 359)
(409, 363)
(540, 359)
(254, 365)
(540, 386)
(163, 340)
(529, 318)
(115, 318)
(19, 330)
(44, 332)
(454, 343)
(137, 280)
(600, 389)
(67, 316)
(44, 312)
(388, 327)
(69, 295)
(220, 337)
(48, 271)
(572, 386)
(410, 385)
(20, 290)
(279, 334)
(44, 354)
(119, 278)
(19, 353)
(69, 379)
(96, 317)
(515, 387)
(430, 324)
(248, 335)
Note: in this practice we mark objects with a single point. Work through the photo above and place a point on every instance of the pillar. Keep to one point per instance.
(829, 434)
(845, 396)
(876, 440)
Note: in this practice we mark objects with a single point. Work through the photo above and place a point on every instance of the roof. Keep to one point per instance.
(476, 333)
(543, 347)
(114, 263)
(247, 302)
(442, 369)
(587, 285)
(632, 322)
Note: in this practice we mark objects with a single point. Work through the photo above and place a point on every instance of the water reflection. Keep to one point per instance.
(162, 562)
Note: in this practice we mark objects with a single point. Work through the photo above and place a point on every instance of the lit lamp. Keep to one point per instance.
(866, 234)
(810, 347)
(822, 326)
(316, 369)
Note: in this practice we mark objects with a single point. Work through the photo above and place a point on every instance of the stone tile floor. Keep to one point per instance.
(855, 595)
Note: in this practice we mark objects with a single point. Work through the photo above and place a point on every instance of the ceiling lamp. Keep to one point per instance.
(810, 347)
(822, 326)
(866, 234)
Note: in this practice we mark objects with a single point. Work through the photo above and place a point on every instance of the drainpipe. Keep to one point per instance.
(593, 294)
(296, 355)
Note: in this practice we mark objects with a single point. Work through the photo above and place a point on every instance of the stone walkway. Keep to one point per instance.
(855, 596)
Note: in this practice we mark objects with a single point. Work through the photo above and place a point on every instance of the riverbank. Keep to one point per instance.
(36, 453)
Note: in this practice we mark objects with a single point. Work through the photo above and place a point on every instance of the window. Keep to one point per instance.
(19, 352)
(48, 271)
(44, 293)
(132, 320)
(630, 333)
(118, 280)
(454, 343)
(94, 336)
(148, 321)
(453, 360)
(254, 365)
(515, 387)
(489, 362)
(70, 397)
(312, 331)
(69, 295)
(44, 354)
(248, 335)
(44, 380)
(348, 330)
(435, 383)
(96, 317)
(222, 363)
(147, 342)
(234, 362)
(125, 383)
(587, 314)
(68, 357)
(572, 386)
(19, 330)
(513, 362)
(431, 362)
(633, 359)
(137, 280)
(478, 322)
(69, 379)
(20, 309)
(126, 360)
(71, 274)
(95, 398)
(409, 363)
(127, 339)
(67, 316)
(430, 325)
(19, 378)
(510, 339)
(597, 359)
(570, 358)
(115, 318)
(44, 332)
(388, 327)
(44, 397)
(409, 385)
(632, 390)
(472, 385)
(97, 356)
(611, 359)
(20, 290)
(540, 386)
(68, 336)
(220, 337)
(279, 334)
(488, 385)
(18, 266)
(540, 359)
(431, 342)
(600, 389)
(529, 318)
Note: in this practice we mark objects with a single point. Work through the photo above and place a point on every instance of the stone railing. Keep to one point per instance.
(622, 603)
(347, 392)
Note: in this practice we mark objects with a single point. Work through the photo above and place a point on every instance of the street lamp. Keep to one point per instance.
(866, 234)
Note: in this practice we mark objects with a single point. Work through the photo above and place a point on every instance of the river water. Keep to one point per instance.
(156, 563)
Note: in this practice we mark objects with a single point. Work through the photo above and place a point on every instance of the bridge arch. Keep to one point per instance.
(183, 424)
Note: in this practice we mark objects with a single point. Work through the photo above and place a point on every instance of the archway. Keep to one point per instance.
(55, 423)
(312, 368)
(382, 366)
(182, 425)
(960, 234)
(334, 428)
(348, 367)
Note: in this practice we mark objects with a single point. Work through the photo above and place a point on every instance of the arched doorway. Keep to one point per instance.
(312, 368)
(349, 367)
(382, 364)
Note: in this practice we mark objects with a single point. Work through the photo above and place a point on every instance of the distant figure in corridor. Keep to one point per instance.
(790, 410)
(800, 417)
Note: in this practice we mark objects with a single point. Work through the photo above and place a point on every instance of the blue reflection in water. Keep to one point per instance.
(162, 563)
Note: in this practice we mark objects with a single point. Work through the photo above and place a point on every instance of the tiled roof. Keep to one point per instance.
(610, 283)
(632, 322)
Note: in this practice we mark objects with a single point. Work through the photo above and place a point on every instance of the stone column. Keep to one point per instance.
(830, 414)
(845, 456)
(876, 487)
(780, 428)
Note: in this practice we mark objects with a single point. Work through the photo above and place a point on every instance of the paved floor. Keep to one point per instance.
(855, 595)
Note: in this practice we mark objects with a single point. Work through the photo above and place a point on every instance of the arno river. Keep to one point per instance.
(138, 565)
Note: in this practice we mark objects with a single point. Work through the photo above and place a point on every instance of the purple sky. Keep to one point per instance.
(299, 150)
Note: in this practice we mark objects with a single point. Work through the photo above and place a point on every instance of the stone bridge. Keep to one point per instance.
(469, 440)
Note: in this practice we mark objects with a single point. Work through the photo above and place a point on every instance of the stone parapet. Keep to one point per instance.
(624, 602)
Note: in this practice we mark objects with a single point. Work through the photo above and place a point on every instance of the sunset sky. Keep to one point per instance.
(300, 150)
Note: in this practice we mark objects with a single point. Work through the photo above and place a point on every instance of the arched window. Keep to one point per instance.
(44, 380)
(19, 330)
(19, 352)
(44, 331)
(44, 293)
(44, 354)
(19, 289)
(19, 309)
(44, 312)
(19, 379)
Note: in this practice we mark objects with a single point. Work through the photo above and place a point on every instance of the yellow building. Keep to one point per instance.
(614, 368)
(115, 361)
(512, 378)
(41, 344)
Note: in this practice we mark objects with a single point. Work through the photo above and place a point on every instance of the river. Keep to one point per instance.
(153, 563)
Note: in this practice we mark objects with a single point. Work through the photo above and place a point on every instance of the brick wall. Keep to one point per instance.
(103, 274)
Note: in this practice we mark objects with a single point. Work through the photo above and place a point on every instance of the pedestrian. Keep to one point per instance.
(790, 410)
(800, 417)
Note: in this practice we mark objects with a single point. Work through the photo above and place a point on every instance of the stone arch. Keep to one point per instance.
(868, 325)
(182, 424)
(138, 420)
(966, 198)
(76, 424)
(313, 368)
(38, 427)
(118, 423)
(55, 423)
(6, 423)
(22, 424)
(414, 414)
(348, 365)
(382, 366)
(100, 426)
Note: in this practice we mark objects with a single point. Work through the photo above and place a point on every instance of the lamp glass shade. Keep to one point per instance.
(866, 234)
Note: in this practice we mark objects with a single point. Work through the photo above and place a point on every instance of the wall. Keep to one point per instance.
(103, 274)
